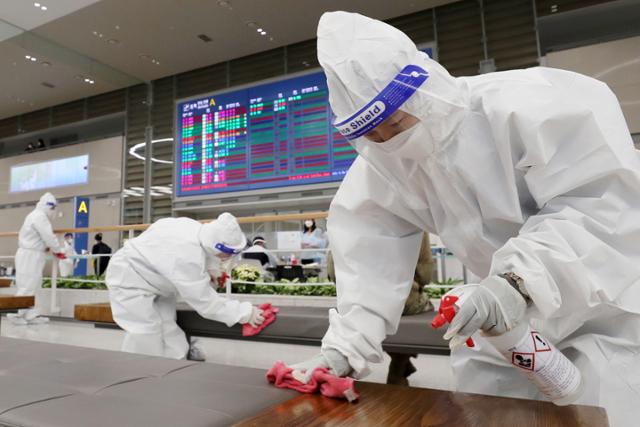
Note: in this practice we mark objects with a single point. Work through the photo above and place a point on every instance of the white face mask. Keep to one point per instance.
(414, 143)
(308, 224)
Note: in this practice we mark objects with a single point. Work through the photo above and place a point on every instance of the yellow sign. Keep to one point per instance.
(83, 207)
(212, 102)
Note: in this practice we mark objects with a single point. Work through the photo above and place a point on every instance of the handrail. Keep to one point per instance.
(142, 227)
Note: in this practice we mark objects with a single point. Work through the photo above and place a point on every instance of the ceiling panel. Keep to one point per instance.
(24, 13)
(116, 41)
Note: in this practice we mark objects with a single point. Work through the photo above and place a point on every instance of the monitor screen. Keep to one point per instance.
(50, 174)
(263, 137)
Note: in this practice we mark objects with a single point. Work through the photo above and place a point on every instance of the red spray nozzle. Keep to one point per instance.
(446, 313)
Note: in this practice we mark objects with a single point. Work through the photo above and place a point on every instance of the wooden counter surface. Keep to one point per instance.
(390, 406)
(99, 312)
(10, 301)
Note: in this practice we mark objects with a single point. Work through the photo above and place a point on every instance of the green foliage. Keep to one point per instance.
(69, 284)
(246, 273)
(301, 290)
(439, 292)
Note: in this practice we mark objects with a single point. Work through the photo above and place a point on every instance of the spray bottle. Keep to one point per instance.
(527, 350)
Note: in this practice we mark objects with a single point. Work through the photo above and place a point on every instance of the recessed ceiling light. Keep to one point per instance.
(251, 24)
(28, 56)
(36, 4)
(43, 8)
(259, 30)
(117, 27)
(113, 41)
(33, 59)
(264, 33)
(46, 64)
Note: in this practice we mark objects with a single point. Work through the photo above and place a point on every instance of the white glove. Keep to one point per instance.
(494, 306)
(256, 318)
(337, 364)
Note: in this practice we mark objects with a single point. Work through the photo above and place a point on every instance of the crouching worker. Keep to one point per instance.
(175, 256)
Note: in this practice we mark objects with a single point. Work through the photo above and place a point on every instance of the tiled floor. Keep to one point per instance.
(433, 371)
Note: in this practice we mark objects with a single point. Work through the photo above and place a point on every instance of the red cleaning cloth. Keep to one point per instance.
(321, 380)
(269, 314)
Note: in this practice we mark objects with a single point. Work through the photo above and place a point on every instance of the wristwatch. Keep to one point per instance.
(517, 283)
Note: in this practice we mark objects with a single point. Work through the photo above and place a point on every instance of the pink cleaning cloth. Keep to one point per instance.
(269, 314)
(321, 381)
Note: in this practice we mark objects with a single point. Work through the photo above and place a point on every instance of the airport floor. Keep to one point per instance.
(432, 371)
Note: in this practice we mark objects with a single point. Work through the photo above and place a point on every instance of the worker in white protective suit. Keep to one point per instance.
(34, 239)
(530, 174)
(66, 266)
(174, 257)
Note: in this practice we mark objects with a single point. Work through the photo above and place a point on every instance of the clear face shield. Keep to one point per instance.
(51, 211)
(381, 120)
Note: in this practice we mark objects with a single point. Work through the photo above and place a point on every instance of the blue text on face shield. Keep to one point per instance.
(387, 102)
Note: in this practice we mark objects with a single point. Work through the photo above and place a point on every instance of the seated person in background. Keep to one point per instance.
(100, 248)
(66, 266)
(313, 237)
(417, 302)
(258, 245)
(147, 275)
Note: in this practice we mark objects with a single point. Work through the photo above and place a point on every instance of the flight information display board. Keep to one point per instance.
(268, 136)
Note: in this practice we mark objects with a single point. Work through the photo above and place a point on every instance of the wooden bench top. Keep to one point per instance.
(10, 302)
(5, 283)
(98, 312)
(390, 406)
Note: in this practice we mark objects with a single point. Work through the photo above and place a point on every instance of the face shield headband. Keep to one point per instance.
(226, 249)
(387, 102)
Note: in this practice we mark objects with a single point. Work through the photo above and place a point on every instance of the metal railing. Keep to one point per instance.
(440, 254)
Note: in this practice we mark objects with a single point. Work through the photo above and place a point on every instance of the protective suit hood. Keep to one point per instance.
(222, 236)
(361, 56)
(47, 204)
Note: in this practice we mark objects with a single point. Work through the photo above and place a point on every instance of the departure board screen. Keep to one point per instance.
(268, 136)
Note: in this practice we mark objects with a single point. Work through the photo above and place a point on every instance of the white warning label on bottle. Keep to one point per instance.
(551, 371)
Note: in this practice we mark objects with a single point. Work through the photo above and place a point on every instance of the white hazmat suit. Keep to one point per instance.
(66, 266)
(35, 237)
(172, 258)
(530, 171)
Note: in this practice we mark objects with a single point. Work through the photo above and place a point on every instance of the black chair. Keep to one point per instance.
(289, 272)
(260, 256)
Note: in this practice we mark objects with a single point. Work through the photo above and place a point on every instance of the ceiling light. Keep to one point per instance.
(264, 33)
(259, 30)
(251, 24)
(28, 56)
(36, 4)
(113, 41)
(46, 64)
(43, 8)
